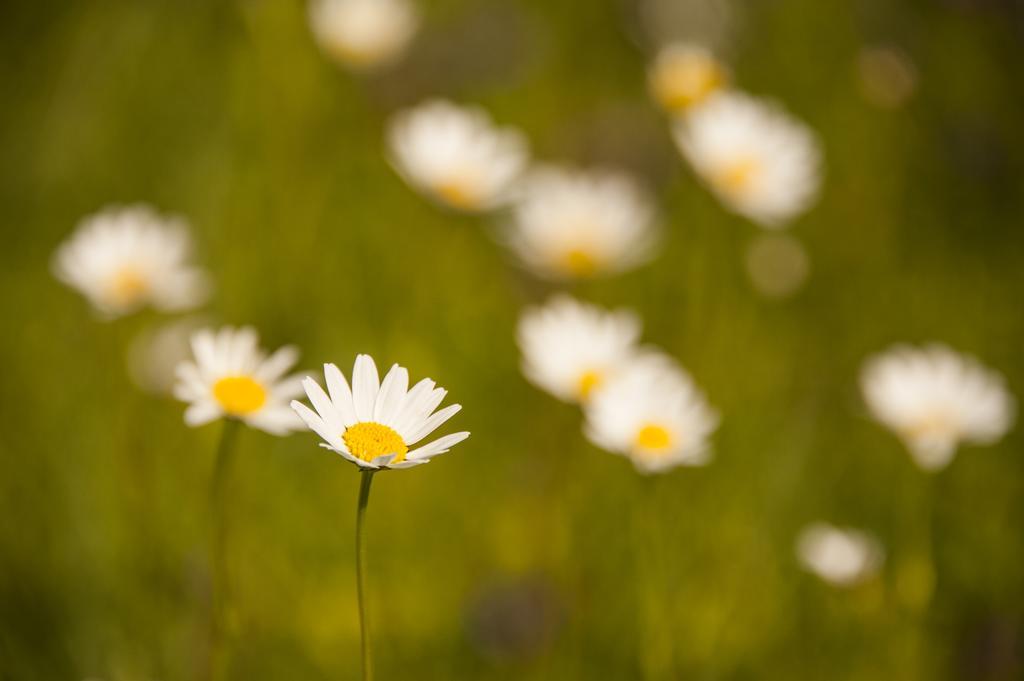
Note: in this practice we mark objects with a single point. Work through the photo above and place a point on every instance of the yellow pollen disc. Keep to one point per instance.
(239, 395)
(369, 440)
(684, 82)
(935, 425)
(736, 178)
(653, 437)
(460, 192)
(128, 286)
(588, 382)
(578, 262)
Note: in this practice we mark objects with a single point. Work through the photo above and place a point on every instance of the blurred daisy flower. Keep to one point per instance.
(841, 557)
(934, 399)
(126, 257)
(230, 376)
(683, 75)
(652, 412)
(570, 348)
(374, 423)
(574, 224)
(760, 161)
(456, 155)
(363, 34)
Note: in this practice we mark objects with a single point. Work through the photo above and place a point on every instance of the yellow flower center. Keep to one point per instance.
(368, 440)
(239, 395)
(579, 262)
(460, 192)
(589, 381)
(687, 80)
(736, 178)
(128, 286)
(653, 438)
(936, 425)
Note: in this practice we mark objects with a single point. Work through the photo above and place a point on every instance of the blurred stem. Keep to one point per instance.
(654, 598)
(218, 505)
(364, 624)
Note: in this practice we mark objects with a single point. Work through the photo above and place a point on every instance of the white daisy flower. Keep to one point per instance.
(760, 161)
(373, 424)
(363, 34)
(934, 399)
(126, 257)
(570, 348)
(230, 376)
(839, 556)
(456, 155)
(684, 75)
(652, 412)
(571, 223)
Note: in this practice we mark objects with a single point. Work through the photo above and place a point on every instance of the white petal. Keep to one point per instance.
(340, 393)
(438, 446)
(365, 386)
(392, 393)
(201, 413)
(433, 423)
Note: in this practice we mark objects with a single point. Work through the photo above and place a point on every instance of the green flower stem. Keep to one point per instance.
(364, 624)
(218, 548)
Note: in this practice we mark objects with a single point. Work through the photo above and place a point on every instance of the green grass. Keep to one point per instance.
(514, 556)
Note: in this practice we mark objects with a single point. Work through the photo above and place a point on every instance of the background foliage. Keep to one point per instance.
(525, 553)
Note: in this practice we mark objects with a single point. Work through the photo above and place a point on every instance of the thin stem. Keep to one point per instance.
(218, 548)
(364, 624)
(653, 590)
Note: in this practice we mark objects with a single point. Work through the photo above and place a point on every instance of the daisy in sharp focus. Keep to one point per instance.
(456, 155)
(571, 348)
(570, 223)
(363, 34)
(683, 75)
(127, 257)
(758, 160)
(652, 412)
(839, 556)
(374, 423)
(934, 399)
(230, 376)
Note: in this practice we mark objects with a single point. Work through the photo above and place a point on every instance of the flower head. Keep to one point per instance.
(839, 556)
(456, 155)
(374, 423)
(684, 75)
(126, 257)
(571, 348)
(230, 376)
(652, 412)
(934, 399)
(760, 162)
(363, 34)
(570, 224)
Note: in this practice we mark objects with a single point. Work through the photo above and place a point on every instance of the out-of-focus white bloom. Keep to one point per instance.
(683, 75)
(156, 352)
(839, 556)
(456, 155)
(373, 423)
(934, 399)
(574, 224)
(760, 161)
(777, 264)
(126, 257)
(652, 412)
(363, 34)
(571, 348)
(230, 376)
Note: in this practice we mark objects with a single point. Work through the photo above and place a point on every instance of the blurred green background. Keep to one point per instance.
(515, 556)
